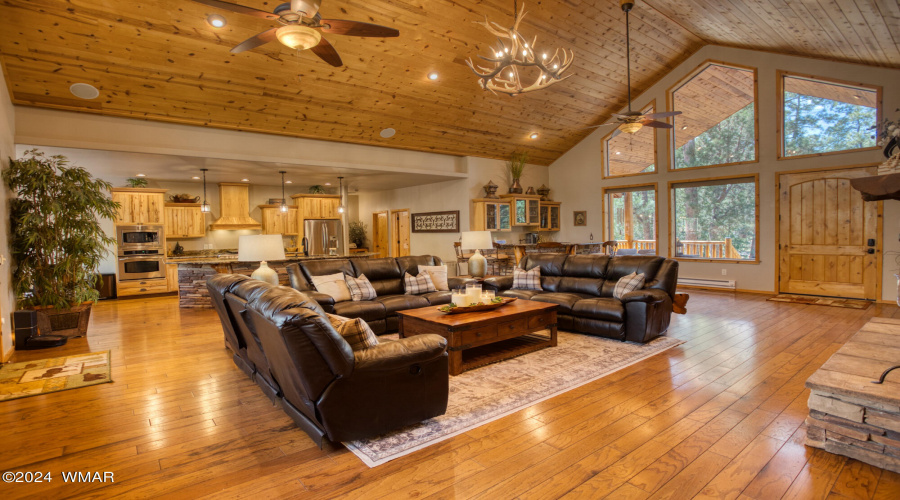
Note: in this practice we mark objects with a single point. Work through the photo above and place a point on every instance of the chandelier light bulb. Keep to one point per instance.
(543, 56)
(506, 49)
(499, 54)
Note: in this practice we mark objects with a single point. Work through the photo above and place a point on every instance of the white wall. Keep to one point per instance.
(7, 150)
(577, 174)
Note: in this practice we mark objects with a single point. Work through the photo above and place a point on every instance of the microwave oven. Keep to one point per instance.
(139, 237)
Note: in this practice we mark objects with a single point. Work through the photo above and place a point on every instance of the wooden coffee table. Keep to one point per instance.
(479, 338)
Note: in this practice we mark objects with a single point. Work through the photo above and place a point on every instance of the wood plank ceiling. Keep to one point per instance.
(160, 60)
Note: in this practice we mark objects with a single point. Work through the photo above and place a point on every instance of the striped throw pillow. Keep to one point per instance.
(628, 283)
(415, 285)
(360, 288)
(355, 331)
(527, 280)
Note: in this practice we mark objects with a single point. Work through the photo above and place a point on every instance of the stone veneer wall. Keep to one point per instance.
(192, 278)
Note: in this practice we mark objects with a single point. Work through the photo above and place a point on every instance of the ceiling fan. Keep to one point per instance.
(632, 121)
(300, 28)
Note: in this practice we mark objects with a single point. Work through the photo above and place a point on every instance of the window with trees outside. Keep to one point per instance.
(715, 218)
(717, 124)
(631, 154)
(822, 116)
(631, 218)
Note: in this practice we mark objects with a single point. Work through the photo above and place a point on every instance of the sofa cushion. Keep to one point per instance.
(332, 284)
(410, 263)
(360, 288)
(520, 294)
(565, 301)
(384, 274)
(601, 308)
(621, 266)
(527, 280)
(438, 275)
(355, 331)
(415, 285)
(437, 298)
(394, 303)
(628, 283)
(368, 310)
(325, 267)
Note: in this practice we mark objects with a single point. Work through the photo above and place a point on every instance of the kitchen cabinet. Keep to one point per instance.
(172, 277)
(184, 220)
(317, 206)
(491, 215)
(139, 205)
(525, 209)
(274, 221)
(549, 215)
(142, 287)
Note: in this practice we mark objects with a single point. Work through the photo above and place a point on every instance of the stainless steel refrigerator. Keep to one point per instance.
(320, 236)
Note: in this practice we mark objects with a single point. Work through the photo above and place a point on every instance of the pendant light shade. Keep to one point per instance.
(205, 206)
(284, 205)
(341, 207)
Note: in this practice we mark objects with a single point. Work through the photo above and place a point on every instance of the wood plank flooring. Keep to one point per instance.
(721, 416)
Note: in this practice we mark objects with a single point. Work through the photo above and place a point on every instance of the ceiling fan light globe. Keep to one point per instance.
(298, 37)
(630, 128)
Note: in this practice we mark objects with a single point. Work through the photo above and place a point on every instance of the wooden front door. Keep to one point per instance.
(829, 238)
(399, 233)
(380, 235)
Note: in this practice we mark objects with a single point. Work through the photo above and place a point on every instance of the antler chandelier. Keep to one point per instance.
(514, 59)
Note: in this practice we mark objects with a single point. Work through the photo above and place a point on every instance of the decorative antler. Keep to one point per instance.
(512, 55)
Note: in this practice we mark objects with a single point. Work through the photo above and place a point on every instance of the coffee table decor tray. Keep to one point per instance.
(495, 303)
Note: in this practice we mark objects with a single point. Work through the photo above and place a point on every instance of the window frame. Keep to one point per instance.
(604, 148)
(605, 209)
(670, 100)
(673, 211)
(779, 119)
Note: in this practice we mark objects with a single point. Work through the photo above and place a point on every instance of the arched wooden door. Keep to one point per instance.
(829, 238)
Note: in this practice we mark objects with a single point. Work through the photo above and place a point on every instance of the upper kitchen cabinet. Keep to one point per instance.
(184, 220)
(139, 205)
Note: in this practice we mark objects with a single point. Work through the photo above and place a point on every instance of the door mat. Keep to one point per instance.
(42, 376)
(821, 301)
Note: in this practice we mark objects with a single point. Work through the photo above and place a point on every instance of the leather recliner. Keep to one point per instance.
(582, 286)
(329, 390)
(386, 276)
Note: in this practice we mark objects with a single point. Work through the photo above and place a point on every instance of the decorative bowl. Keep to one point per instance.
(184, 198)
(454, 309)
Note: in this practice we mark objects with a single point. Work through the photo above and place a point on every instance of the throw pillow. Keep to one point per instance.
(360, 288)
(628, 283)
(355, 331)
(438, 275)
(415, 285)
(527, 280)
(334, 285)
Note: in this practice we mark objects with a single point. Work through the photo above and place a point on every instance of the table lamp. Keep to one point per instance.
(476, 240)
(260, 248)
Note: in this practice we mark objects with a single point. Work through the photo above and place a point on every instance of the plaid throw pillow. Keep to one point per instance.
(527, 280)
(415, 285)
(355, 331)
(360, 288)
(629, 283)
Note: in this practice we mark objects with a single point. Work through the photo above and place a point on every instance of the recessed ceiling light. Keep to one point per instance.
(288, 182)
(618, 152)
(856, 97)
(196, 178)
(84, 90)
(388, 133)
(684, 127)
(216, 21)
(534, 135)
(141, 175)
(327, 183)
(433, 75)
(245, 180)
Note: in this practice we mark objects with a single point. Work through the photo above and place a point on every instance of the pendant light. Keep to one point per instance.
(284, 206)
(205, 206)
(341, 207)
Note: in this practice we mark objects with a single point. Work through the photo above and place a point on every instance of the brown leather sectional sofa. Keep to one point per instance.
(582, 286)
(287, 345)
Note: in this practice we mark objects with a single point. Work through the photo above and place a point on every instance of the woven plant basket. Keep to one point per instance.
(891, 166)
(71, 322)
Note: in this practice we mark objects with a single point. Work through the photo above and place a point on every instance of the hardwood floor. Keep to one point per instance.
(720, 416)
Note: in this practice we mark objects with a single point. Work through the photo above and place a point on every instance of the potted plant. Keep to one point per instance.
(56, 240)
(316, 189)
(515, 166)
(357, 230)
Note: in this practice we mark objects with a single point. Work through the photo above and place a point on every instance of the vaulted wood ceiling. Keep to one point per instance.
(160, 60)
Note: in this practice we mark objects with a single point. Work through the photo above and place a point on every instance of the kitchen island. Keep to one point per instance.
(194, 270)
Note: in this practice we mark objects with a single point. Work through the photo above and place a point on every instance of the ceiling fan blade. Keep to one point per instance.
(240, 9)
(255, 41)
(326, 52)
(356, 28)
(599, 126)
(667, 114)
(656, 124)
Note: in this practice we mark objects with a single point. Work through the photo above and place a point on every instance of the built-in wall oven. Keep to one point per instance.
(141, 252)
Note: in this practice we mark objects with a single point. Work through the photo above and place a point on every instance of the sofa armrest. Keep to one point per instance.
(403, 352)
(498, 283)
(646, 295)
(324, 300)
(456, 282)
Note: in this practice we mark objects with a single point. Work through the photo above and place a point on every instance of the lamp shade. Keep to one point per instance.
(260, 247)
(476, 240)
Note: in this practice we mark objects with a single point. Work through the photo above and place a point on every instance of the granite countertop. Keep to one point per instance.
(226, 258)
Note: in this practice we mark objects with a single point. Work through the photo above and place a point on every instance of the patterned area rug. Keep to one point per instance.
(30, 378)
(821, 301)
(488, 393)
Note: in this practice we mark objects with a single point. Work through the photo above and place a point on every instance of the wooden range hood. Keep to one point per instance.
(234, 203)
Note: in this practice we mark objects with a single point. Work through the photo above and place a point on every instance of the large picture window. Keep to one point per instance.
(715, 218)
(631, 154)
(630, 218)
(717, 124)
(820, 116)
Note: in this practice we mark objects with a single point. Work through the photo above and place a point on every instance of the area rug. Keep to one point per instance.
(485, 394)
(30, 378)
(821, 301)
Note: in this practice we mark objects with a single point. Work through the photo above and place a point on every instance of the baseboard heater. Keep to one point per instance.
(706, 283)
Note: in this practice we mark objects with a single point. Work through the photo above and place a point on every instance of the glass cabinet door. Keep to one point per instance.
(545, 218)
(533, 212)
(490, 216)
(503, 222)
(521, 212)
(554, 218)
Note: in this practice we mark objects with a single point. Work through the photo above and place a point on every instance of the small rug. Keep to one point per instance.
(485, 394)
(821, 301)
(42, 376)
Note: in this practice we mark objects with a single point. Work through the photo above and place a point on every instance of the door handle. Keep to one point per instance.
(870, 242)
(870, 251)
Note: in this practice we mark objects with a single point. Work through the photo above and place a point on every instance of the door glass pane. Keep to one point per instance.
(491, 217)
(504, 223)
(521, 212)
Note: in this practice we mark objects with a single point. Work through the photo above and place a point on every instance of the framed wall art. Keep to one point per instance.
(580, 218)
(436, 222)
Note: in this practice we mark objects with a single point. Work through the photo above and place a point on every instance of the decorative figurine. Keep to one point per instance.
(544, 191)
(530, 190)
(490, 190)
(178, 250)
